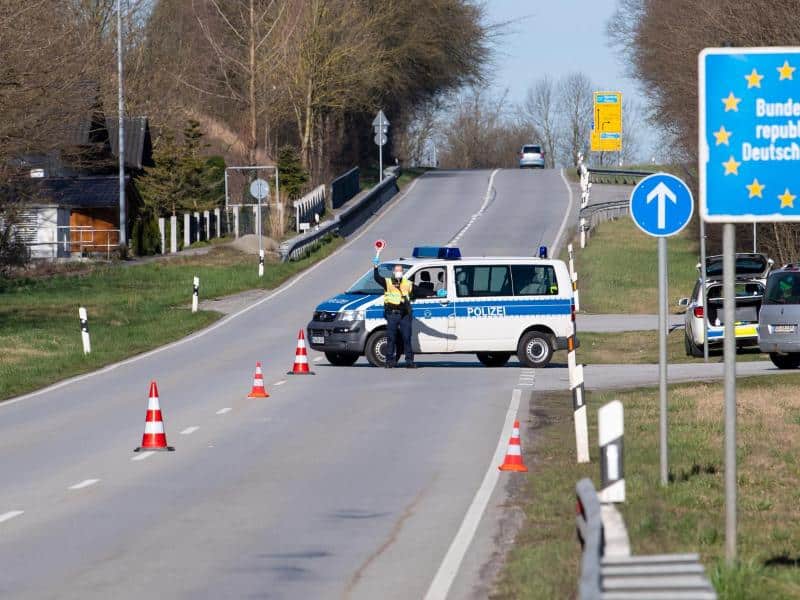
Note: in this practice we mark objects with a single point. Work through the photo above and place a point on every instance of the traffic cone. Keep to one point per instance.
(154, 437)
(513, 461)
(300, 366)
(258, 391)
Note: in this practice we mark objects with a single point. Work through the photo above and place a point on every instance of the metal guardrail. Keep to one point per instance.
(345, 187)
(344, 223)
(309, 206)
(644, 577)
(603, 211)
(620, 176)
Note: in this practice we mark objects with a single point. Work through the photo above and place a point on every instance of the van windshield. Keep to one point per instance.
(367, 284)
(783, 288)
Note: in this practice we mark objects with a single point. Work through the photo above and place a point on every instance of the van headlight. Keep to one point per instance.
(352, 315)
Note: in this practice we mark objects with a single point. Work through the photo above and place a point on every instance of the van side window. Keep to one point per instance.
(783, 288)
(483, 280)
(534, 280)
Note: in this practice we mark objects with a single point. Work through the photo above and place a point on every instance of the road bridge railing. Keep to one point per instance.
(610, 576)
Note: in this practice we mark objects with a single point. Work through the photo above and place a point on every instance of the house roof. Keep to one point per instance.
(138, 145)
(100, 191)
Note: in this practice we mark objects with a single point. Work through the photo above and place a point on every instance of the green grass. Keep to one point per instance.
(131, 310)
(639, 347)
(618, 269)
(687, 515)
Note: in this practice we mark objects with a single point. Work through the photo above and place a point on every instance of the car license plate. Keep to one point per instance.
(317, 339)
(785, 328)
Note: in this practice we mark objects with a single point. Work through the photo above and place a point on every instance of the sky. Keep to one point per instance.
(555, 37)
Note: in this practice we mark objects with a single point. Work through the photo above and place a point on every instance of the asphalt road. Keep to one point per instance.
(352, 483)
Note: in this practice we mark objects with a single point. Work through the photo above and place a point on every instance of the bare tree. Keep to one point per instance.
(575, 102)
(540, 110)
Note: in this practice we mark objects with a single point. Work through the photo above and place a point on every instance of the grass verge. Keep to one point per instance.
(686, 516)
(639, 347)
(618, 269)
(131, 310)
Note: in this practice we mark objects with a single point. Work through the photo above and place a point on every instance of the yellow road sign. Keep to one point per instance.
(607, 132)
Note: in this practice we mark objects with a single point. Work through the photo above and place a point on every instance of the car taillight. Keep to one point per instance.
(572, 311)
(698, 312)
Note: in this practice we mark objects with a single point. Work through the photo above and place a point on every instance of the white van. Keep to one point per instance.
(491, 306)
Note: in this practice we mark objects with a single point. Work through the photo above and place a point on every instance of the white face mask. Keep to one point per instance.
(398, 274)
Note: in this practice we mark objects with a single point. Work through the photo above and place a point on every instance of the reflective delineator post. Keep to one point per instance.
(260, 263)
(195, 293)
(84, 318)
(579, 416)
(583, 234)
(610, 430)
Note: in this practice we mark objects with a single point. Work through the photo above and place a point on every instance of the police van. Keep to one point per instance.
(490, 306)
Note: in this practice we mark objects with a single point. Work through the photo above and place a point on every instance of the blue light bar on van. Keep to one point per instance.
(444, 252)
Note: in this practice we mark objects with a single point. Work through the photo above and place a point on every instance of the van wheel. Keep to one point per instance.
(342, 359)
(494, 359)
(785, 361)
(376, 348)
(691, 348)
(535, 349)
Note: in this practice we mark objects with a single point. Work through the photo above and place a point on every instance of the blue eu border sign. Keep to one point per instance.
(749, 134)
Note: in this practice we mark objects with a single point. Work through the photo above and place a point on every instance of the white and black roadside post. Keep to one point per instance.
(573, 276)
(380, 126)
(260, 263)
(259, 189)
(195, 293)
(610, 433)
(84, 318)
(579, 415)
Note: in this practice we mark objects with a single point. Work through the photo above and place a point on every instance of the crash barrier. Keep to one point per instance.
(591, 216)
(604, 576)
(345, 187)
(617, 176)
(309, 208)
(344, 223)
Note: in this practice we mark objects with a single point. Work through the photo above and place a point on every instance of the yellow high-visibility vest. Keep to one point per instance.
(395, 295)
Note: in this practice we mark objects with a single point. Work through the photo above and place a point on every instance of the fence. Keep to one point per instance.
(345, 187)
(344, 223)
(309, 207)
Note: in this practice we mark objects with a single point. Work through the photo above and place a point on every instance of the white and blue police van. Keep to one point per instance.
(493, 307)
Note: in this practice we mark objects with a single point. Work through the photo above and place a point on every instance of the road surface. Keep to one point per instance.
(352, 483)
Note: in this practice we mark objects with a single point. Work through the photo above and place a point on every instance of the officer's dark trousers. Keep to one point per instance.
(398, 325)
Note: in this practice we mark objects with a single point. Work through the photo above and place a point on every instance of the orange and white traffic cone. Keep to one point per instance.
(154, 437)
(300, 366)
(258, 390)
(513, 461)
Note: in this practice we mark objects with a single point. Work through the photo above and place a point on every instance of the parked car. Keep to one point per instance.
(779, 319)
(532, 156)
(751, 273)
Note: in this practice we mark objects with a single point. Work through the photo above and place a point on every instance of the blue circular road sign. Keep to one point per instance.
(661, 205)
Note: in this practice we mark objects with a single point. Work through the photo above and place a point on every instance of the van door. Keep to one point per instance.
(433, 327)
(483, 293)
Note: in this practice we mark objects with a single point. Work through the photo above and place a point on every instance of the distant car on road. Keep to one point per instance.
(779, 319)
(531, 156)
(751, 273)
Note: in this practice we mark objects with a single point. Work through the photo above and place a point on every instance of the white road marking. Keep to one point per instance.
(281, 382)
(143, 455)
(446, 574)
(224, 321)
(10, 515)
(474, 217)
(557, 241)
(222, 411)
(190, 430)
(83, 484)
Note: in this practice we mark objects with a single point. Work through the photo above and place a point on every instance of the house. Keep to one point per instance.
(70, 205)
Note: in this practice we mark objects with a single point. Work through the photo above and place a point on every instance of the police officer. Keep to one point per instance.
(398, 293)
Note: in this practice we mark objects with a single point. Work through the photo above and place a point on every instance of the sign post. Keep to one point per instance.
(661, 206)
(259, 189)
(748, 151)
(381, 127)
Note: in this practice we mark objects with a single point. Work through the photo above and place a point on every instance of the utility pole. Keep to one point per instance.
(123, 216)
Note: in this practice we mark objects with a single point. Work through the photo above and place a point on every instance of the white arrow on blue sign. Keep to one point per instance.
(661, 205)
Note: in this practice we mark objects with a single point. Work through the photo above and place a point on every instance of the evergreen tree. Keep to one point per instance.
(160, 186)
(293, 176)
